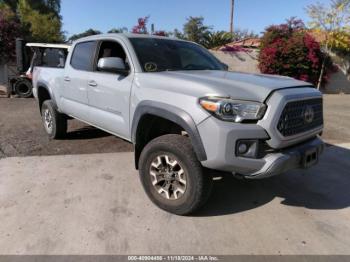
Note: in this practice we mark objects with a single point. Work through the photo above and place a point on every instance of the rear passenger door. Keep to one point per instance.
(109, 93)
(74, 100)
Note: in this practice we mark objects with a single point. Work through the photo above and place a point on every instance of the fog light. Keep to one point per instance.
(247, 148)
(242, 148)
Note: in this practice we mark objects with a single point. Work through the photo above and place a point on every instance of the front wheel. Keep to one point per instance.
(172, 176)
(54, 122)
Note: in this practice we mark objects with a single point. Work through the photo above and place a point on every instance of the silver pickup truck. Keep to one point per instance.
(184, 113)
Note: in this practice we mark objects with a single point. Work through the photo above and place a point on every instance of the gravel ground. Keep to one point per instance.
(22, 133)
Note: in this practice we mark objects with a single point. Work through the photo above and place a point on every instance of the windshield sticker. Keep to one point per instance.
(150, 67)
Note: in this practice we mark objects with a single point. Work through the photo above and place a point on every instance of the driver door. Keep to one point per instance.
(109, 93)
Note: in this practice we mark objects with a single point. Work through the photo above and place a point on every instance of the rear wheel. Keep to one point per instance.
(172, 176)
(54, 122)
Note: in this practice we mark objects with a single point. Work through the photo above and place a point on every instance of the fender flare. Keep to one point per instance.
(40, 85)
(174, 114)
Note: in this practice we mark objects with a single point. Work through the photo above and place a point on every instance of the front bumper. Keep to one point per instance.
(220, 150)
(288, 159)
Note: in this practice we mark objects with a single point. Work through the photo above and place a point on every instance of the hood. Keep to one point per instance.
(255, 87)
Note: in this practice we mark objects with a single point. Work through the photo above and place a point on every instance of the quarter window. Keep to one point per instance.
(83, 55)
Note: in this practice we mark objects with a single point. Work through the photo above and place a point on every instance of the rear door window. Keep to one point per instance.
(83, 54)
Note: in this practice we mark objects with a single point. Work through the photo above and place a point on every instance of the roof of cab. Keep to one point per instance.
(125, 36)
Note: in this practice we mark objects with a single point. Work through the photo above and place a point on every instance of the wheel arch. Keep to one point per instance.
(169, 113)
(44, 93)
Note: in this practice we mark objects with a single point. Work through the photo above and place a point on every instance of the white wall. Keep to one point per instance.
(339, 83)
(247, 62)
(239, 61)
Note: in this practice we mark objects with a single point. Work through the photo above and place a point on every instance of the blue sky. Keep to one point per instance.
(79, 15)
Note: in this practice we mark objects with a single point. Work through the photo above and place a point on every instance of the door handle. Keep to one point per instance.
(66, 78)
(92, 83)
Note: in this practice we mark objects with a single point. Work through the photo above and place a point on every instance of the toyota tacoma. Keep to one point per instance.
(184, 112)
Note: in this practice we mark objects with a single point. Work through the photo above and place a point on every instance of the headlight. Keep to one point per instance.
(233, 110)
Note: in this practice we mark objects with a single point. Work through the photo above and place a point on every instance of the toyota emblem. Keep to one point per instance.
(309, 114)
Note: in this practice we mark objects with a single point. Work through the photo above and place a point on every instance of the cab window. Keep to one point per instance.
(82, 56)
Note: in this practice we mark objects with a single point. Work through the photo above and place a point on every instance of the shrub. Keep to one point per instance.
(9, 30)
(288, 49)
(216, 39)
(141, 27)
(161, 33)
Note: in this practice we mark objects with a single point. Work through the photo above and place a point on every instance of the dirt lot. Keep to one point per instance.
(22, 134)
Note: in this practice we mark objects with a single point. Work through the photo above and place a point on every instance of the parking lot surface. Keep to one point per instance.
(94, 204)
(82, 195)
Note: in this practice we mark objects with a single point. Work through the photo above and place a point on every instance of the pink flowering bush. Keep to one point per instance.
(141, 27)
(160, 33)
(288, 49)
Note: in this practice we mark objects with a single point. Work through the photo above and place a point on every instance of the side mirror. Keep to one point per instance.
(226, 67)
(112, 65)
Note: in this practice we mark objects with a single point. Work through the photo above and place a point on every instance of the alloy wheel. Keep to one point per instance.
(168, 177)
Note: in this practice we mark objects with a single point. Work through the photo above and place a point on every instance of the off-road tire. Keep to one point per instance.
(198, 184)
(58, 127)
(23, 88)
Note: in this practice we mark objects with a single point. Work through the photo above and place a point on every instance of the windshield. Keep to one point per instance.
(157, 55)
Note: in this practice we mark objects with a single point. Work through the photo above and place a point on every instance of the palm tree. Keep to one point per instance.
(232, 11)
(216, 39)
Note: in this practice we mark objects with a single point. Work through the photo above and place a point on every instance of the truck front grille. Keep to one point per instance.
(301, 116)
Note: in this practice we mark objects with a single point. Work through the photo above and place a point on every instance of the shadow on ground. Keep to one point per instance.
(87, 132)
(324, 186)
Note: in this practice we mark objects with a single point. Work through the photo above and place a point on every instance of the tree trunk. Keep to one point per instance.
(319, 83)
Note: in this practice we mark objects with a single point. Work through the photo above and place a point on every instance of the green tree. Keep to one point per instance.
(118, 30)
(84, 34)
(195, 30)
(43, 6)
(216, 39)
(12, 4)
(6, 10)
(46, 6)
(239, 34)
(334, 21)
(178, 34)
(42, 27)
